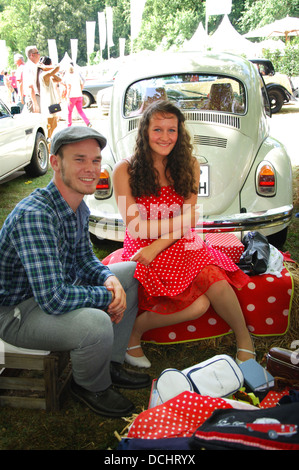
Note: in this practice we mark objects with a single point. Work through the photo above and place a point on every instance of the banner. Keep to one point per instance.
(122, 43)
(74, 50)
(137, 7)
(53, 51)
(109, 17)
(102, 30)
(90, 37)
(218, 7)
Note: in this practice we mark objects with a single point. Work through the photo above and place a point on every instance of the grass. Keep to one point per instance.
(75, 427)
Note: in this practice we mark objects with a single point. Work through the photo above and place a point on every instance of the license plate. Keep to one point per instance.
(204, 181)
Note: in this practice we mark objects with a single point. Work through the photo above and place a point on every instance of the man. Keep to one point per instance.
(31, 81)
(55, 294)
(19, 62)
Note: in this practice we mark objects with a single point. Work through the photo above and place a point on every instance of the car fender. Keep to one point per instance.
(285, 93)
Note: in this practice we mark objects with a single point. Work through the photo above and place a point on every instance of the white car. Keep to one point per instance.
(246, 175)
(23, 142)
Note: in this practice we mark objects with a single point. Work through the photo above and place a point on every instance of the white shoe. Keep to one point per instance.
(141, 361)
(238, 361)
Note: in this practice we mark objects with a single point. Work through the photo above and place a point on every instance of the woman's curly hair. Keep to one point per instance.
(180, 162)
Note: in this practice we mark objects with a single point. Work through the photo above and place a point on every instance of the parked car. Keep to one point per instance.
(23, 142)
(104, 100)
(279, 86)
(246, 175)
(90, 90)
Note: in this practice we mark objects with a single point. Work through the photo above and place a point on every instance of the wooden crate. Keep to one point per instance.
(35, 381)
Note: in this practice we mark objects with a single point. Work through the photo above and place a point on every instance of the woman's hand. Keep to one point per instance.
(146, 254)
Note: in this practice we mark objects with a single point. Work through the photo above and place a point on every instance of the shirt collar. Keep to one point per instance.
(63, 207)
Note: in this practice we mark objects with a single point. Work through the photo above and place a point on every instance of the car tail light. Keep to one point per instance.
(266, 179)
(104, 186)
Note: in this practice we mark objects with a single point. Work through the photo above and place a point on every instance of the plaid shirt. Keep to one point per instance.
(45, 253)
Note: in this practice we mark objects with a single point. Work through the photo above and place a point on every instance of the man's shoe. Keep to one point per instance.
(109, 403)
(124, 378)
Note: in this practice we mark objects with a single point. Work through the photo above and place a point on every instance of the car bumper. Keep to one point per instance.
(111, 226)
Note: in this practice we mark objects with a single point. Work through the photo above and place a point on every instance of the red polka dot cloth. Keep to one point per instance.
(266, 303)
(179, 417)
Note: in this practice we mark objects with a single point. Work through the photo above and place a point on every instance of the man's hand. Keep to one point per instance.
(119, 304)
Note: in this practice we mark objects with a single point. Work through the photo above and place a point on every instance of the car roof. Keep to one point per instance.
(157, 64)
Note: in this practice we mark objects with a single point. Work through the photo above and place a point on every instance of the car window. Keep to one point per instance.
(189, 92)
(3, 111)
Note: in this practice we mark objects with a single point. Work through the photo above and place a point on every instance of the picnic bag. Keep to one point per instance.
(254, 259)
(283, 363)
(218, 376)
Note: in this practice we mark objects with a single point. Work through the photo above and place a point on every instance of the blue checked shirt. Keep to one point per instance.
(45, 253)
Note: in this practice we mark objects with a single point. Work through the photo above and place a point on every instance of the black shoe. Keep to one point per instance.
(124, 378)
(109, 403)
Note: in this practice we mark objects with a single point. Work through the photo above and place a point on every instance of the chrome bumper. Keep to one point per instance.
(111, 226)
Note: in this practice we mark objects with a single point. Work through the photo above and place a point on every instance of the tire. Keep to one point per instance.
(276, 100)
(40, 157)
(87, 99)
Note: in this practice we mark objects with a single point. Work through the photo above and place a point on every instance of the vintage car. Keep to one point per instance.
(246, 175)
(91, 89)
(279, 86)
(23, 142)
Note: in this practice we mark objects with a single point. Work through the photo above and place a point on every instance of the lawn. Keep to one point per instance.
(75, 427)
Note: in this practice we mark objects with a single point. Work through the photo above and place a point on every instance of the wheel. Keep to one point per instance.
(276, 100)
(40, 157)
(87, 99)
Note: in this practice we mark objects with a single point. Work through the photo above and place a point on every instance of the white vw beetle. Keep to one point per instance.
(246, 175)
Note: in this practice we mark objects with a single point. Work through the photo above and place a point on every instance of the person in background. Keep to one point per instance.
(30, 80)
(9, 88)
(19, 62)
(74, 84)
(49, 94)
(13, 81)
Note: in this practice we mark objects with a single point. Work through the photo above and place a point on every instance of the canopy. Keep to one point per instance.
(226, 38)
(198, 41)
(288, 26)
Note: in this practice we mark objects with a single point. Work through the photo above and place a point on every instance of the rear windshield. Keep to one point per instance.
(189, 92)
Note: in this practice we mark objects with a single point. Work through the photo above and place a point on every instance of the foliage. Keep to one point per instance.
(258, 13)
(288, 62)
(165, 24)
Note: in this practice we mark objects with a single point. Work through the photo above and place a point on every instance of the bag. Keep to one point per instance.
(54, 108)
(255, 257)
(283, 363)
(275, 428)
(219, 376)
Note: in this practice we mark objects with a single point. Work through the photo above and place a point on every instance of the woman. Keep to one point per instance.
(49, 93)
(74, 84)
(180, 277)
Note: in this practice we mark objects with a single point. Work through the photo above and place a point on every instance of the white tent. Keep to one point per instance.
(288, 26)
(270, 44)
(226, 38)
(199, 40)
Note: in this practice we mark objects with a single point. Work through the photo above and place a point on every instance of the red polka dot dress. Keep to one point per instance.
(182, 272)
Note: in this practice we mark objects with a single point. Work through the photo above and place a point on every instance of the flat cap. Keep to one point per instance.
(73, 134)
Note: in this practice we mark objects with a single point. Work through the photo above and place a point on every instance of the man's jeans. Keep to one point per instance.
(88, 333)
